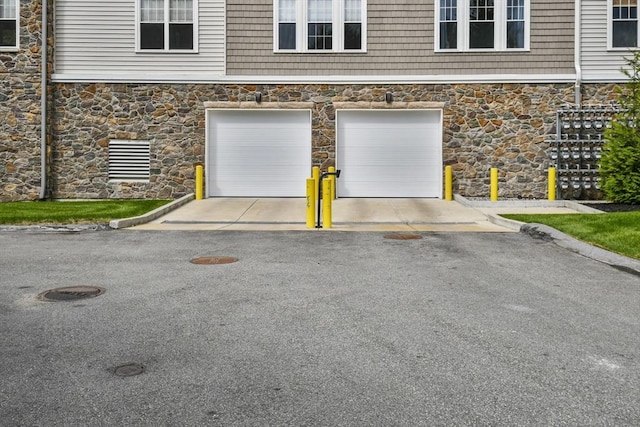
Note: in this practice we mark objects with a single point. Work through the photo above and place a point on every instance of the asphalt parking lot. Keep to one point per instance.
(314, 328)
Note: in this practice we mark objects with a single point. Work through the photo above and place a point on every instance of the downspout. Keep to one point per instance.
(577, 56)
(43, 104)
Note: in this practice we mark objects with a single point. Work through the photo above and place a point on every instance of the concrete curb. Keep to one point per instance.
(56, 228)
(150, 216)
(540, 231)
(538, 203)
(544, 232)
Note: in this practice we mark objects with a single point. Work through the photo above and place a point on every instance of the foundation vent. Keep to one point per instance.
(129, 160)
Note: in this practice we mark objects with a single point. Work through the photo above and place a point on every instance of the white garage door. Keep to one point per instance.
(258, 153)
(389, 153)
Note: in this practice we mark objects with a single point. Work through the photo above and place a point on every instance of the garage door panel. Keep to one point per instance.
(382, 157)
(390, 153)
(230, 173)
(375, 173)
(265, 153)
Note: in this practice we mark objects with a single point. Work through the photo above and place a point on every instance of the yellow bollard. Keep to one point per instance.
(332, 169)
(552, 184)
(199, 181)
(326, 203)
(448, 183)
(315, 174)
(494, 184)
(311, 203)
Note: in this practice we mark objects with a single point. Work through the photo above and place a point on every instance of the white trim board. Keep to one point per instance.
(212, 79)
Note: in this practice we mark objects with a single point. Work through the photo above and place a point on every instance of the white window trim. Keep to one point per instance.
(500, 20)
(302, 29)
(166, 32)
(15, 48)
(610, 31)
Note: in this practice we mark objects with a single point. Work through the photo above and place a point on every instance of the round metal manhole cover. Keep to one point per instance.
(71, 293)
(129, 370)
(213, 260)
(403, 236)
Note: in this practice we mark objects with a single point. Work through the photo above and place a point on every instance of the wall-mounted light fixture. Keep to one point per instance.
(258, 97)
(388, 97)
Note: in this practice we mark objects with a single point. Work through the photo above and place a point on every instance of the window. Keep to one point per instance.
(624, 23)
(319, 25)
(9, 24)
(515, 24)
(287, 24)
(449, 24)
(352, 24)
(481, 24)
(167, 25)
(467, 25)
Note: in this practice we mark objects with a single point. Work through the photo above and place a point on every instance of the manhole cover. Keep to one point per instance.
(403, 236)
(71, 293)
(129, 370)
(214, 260)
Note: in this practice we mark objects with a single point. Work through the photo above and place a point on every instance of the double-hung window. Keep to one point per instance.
(319, 25)
(470, 25)
(9, 24)
(623, 23)
(167, 25)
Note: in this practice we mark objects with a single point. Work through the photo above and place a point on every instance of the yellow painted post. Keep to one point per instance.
(448, 183)
(326, 203)
(315, 174)
(332, 169)
(199, 181)
(552, 184)
(311, 203)
(494, 184)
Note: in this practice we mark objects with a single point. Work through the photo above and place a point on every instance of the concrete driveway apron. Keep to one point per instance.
(349, 214)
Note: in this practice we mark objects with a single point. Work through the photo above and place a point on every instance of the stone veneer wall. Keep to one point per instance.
(20, 90)
(485, 125)
(601, 94)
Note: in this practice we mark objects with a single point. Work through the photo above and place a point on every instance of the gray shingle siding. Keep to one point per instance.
(400, 41)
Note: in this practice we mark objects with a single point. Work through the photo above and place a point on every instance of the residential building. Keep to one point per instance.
(260, 91)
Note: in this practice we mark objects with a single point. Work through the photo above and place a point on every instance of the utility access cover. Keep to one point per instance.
(399, 236)
(71, 293)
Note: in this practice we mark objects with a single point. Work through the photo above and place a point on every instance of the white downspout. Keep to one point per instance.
(577, 54)
(43, 105)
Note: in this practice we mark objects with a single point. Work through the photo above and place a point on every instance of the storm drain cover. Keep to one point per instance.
(210, 260)
(129, 370)
(400, 236)
(71, 293)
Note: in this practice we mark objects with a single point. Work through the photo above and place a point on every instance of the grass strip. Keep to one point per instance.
(617, 232)
(74, 212)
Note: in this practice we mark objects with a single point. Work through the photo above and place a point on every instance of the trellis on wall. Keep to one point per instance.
(577, 150)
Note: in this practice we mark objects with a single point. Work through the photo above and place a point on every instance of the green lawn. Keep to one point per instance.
(618, 232)
(74, 212)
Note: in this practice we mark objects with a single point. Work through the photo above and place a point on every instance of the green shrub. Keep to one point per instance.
(620, 162)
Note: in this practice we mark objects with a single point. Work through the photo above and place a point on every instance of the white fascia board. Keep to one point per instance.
(605, 78)
(133, 78)
(409, 79)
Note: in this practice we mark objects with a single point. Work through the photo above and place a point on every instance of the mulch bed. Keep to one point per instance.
(613, 207)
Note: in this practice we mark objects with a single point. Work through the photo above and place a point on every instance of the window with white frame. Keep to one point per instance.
(624, 23)
(167, 25)
(319, 25)
(469, 25)
(9, 26)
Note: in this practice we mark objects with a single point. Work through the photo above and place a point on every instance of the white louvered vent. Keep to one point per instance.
(129, 160)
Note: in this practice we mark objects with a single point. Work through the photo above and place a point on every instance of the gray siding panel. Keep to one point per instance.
(99, 38)
(400, 41)
(598, 63)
